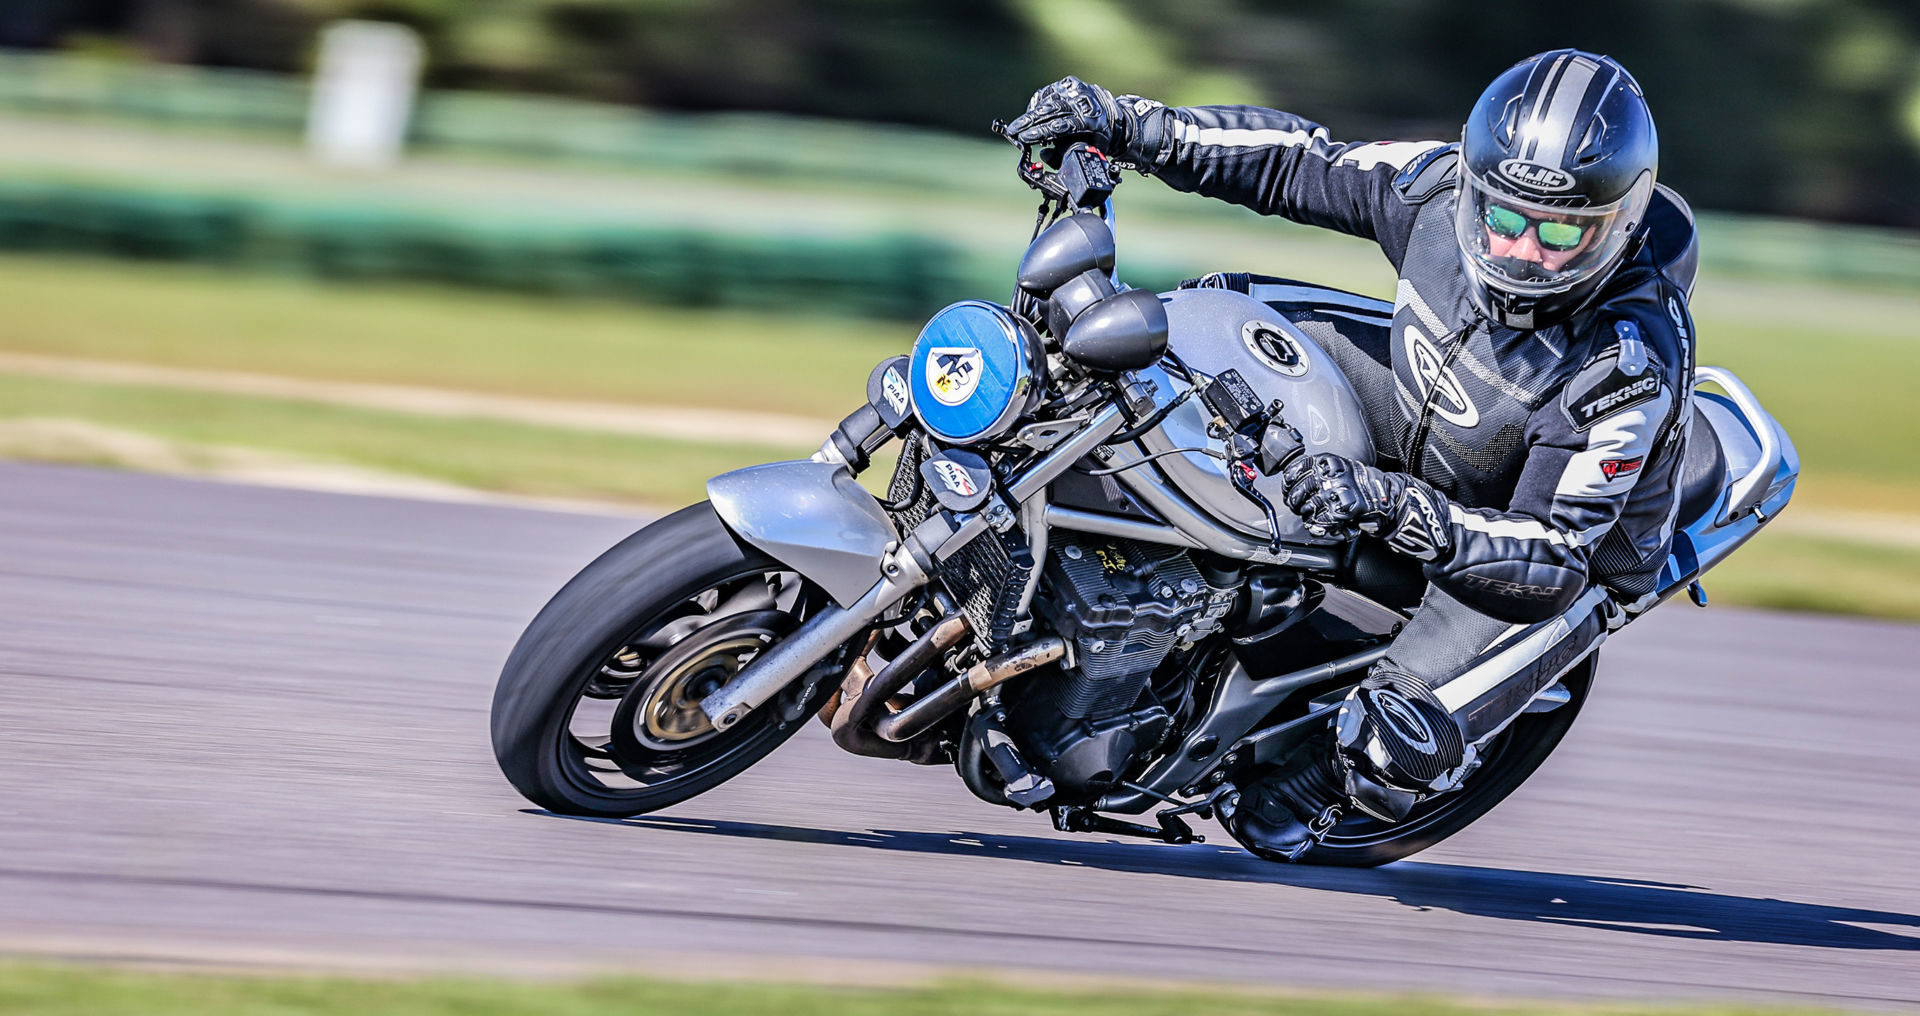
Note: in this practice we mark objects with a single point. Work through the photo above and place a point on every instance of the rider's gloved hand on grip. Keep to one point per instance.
(1333, 494)
(1336, 496)
(1071, 110)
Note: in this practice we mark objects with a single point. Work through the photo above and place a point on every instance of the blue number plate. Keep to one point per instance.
(974, 372)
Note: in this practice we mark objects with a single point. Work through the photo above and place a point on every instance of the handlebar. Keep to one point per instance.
(1082, 176)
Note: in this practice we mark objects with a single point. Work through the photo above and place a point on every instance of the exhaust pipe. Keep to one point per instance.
(864, 693)
(936, 705)
(840, 692)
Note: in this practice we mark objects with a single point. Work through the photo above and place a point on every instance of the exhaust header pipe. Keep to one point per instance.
(936, 705)
(865, 694)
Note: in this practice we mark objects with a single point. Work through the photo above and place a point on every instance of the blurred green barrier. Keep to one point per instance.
(767, 146)
(887, 275)
(274, 106)
(70, 86)
(781, 150)
(1743, 245)
(121, 223)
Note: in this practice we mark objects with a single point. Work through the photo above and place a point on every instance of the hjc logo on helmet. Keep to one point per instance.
(1536, 177)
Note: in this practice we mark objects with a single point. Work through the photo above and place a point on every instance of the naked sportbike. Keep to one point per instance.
(1082, 588)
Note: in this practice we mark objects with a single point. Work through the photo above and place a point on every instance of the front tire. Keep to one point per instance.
(596, 712)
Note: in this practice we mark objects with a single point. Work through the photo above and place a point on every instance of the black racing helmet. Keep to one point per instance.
(1556, 170)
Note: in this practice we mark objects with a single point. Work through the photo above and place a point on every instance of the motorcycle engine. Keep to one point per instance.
(1124, 606)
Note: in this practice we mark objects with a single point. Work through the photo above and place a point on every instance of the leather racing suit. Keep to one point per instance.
(1547, 459)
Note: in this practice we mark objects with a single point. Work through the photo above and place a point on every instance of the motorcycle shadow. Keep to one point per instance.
(1589, 901)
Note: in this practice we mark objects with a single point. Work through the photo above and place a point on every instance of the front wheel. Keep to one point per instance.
(597, 710)
(1362, 841)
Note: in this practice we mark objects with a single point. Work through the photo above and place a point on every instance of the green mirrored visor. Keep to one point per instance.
(1558, 236)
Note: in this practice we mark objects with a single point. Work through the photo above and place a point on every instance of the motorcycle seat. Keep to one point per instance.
(1703, 472)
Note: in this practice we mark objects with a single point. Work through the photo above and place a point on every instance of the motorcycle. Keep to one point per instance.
(1082, 589)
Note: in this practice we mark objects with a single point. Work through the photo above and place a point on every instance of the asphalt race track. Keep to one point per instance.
(249, 726)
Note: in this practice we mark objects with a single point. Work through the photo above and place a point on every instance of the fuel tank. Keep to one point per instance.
(1215, 330)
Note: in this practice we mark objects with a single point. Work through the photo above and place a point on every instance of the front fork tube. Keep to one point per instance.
(901, 573)
(907, 565)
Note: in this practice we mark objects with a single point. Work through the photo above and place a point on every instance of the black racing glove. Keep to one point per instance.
(1071, 110)
(1336, 496)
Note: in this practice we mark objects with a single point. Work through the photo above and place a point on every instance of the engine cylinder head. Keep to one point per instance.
(1124, 605)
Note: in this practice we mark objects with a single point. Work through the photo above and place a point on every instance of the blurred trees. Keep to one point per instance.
(1801, 107)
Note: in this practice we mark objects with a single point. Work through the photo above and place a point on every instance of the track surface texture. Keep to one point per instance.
(248, 725)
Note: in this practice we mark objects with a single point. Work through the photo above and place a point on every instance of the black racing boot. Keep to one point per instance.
(1283, 816)
(1392, 745)
(1396, 743)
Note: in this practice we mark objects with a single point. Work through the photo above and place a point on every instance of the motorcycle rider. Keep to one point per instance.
(1529, 405)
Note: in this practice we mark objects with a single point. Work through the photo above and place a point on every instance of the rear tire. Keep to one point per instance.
(1361, 841)
(661, 619)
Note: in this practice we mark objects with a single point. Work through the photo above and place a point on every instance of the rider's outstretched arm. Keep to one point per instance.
(1280, 164)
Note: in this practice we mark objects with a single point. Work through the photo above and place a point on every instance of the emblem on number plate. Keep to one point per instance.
(953, 372)
(955, 478)
(894, 387)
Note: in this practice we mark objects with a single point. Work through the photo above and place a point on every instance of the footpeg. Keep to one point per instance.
(1024, 787)
(1176, 830)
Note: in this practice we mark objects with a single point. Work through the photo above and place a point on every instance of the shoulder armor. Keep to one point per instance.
(1428, 175)
(1622, 376)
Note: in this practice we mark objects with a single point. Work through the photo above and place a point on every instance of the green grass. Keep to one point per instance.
(1837, 366)
(508, 457)
(194, 317)
(1797, 571)
(46, 990)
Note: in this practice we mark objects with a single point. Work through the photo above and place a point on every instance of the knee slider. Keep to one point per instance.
(1394, 727)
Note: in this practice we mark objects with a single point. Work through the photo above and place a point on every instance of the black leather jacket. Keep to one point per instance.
(1547, 456)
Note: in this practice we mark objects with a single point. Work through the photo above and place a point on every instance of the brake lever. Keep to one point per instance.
(1033, 172)
(1242, 473)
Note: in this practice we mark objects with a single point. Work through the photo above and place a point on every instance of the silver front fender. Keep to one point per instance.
(810, 516)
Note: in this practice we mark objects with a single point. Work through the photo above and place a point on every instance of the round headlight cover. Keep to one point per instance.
(974, 371)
